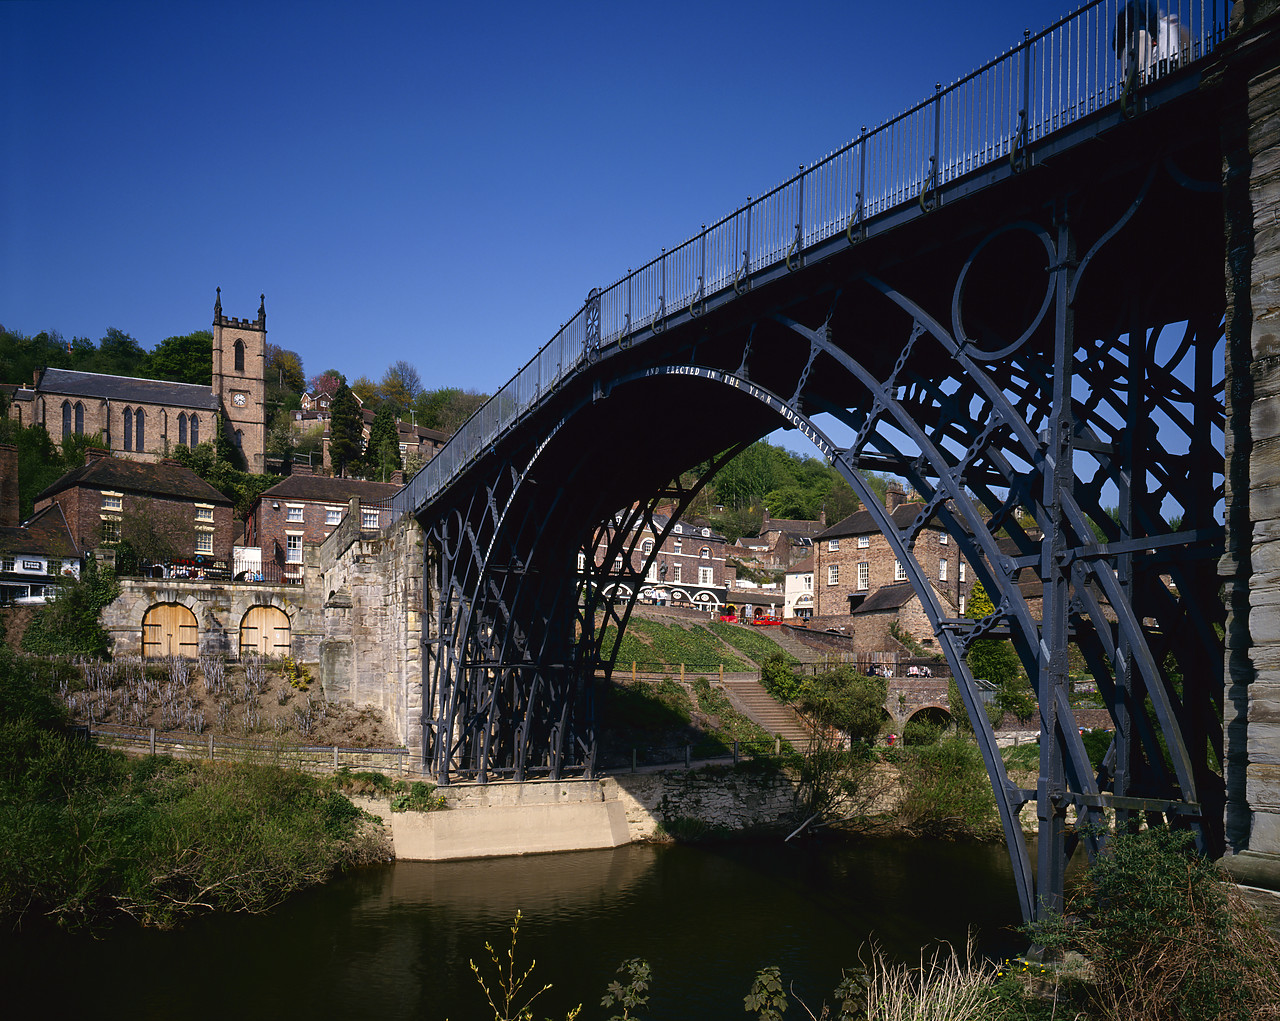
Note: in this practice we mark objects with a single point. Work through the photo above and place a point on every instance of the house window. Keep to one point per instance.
(139, 431)
(677, 546)
(617, 563)
(55, 567)
(706, 553)
(6, 563)
(943, 539)
(808, 582)
(582, 562)
(962, 572)
(675, 574)
(239, 356)
(128, 428)
(833, 544)
(112, 501)
(899, 572)
(368, 520)
(962, 606)
(942, 569)
(653, 572)
(204, 513)
(677, 529)
(195, 430)
(704, 576)
(646, 547)
(204, 542)
(111, 531)
(293, 549)
(833, 574)
(333, 515)
(864, 541)
(864, 576)
(182, 428)
(66, 419)
(293, 514)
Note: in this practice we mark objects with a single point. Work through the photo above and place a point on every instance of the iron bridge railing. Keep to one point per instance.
(1074, 68)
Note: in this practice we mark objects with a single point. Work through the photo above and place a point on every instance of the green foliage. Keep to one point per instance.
(760, 647)
(1096, 744)
(960, 715)
(297, 674)
(920, 732)
(346, 425)
(185, 359)
(383, 455)
(362, 783)
(69, 625)
(40, 462)
(1168, 936)
(767, 998)
(1015, 697)
(778, 678)
(506, 991)
(630, 995)
(27, 693)
(240, 487)
(416, 797)
(85, 835)
(946, 791)
(846, 700)
(672, 644)
(447, 408)
(991, 659)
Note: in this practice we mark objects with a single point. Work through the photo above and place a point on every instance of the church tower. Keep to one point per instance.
(239, 379)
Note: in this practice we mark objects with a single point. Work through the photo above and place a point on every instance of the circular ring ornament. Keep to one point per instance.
(957, 325)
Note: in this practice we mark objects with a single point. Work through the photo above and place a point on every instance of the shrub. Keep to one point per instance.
(920, 732)
(416, 797)
(778, 679)
(69, 625)
(1168, 935)
(946, 792)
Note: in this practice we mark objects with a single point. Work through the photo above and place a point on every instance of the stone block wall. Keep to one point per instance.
(716, 797)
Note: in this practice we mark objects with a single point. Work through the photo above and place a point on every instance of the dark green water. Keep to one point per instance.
(395, 942)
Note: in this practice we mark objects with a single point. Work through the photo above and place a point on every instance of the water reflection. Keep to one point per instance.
(395, 942)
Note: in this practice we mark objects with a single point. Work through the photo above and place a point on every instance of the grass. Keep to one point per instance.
(658, 647)
(746, 640)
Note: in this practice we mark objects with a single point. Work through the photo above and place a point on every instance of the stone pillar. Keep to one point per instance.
(1248, 81)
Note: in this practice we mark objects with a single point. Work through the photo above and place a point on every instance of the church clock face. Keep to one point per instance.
(238, 400)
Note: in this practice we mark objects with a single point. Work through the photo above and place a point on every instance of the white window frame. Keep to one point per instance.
(110, 529)
(962, 571)
(899, 572)
(204, 512)
(706, 576)
(675, 574)
(705, 554)
(204, 542)
(943, 539)
(112, 501)
(833, 545)
(368, 520)
(833, 574)
(292, 546)
(333, 515)
(864, 542)
(6, 564)
(942, 568)
(677, 545)
(864, 576)
(294, 512)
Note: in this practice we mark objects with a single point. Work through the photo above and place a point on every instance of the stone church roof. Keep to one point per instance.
(127, 388)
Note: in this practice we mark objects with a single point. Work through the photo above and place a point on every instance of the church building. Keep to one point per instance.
(144, 419)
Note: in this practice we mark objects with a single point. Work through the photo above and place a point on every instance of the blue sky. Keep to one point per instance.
(437, 183)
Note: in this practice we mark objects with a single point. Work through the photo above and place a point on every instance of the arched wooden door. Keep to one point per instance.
(265, 631)
(169, 629)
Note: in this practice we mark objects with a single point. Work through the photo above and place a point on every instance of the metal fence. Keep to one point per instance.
(1101, 54)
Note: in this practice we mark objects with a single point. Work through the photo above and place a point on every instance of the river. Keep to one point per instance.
(394, 942)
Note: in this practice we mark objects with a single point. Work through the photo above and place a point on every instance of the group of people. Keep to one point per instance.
(1145, 35)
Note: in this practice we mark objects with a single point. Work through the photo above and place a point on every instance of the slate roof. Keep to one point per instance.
(887, 597)
(46, 533)
(804, 567)
(147, 479)
(860, 522)
(321, 488)
(127, 388)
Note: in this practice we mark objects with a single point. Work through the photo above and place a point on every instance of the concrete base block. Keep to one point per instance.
(1254, 868)
(501, 830)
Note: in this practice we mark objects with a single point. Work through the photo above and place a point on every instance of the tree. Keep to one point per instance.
(346, 425)
(447, 407)
(400, 386)
(845, 700)
(119, 354)
(992, 660)
(284, 369)
(185, 359)
(383, 455)
(327, 382)
(69, 625)
(367, 390)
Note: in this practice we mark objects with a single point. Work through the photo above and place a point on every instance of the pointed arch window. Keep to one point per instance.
(128, 428)
(139, 431)
(239, 356)
(79, 419)
(66, 419)
(182, 428)
(195, 430)
(239, 438)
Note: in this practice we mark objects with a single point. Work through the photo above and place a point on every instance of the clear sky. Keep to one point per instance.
(439, 183)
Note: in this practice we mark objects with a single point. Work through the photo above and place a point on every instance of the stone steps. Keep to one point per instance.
(749, 697)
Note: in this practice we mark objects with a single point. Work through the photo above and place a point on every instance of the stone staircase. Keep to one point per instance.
(748, 696)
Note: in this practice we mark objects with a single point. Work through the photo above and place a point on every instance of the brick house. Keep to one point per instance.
(36, 554)
(108, 497)
(689, 569)
(853, 562)
(304, 509)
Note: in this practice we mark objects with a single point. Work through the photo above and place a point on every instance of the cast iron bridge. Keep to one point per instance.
(1012, 297)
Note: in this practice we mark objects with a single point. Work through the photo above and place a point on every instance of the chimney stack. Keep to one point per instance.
(894, 496)
(92, 454)
(397, 478)
(9, 487)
